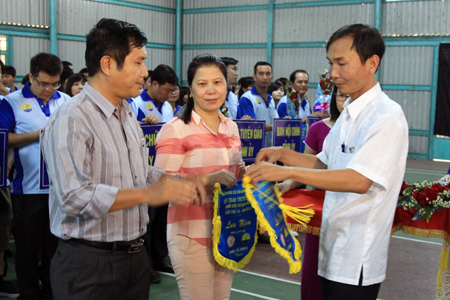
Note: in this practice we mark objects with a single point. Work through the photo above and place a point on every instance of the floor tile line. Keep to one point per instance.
(270, 277)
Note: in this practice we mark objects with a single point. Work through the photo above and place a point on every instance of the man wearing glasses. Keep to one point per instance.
(24, 113)
(151, 105)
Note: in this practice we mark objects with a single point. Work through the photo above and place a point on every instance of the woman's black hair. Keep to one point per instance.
(71, 80)
(334, 111)
(184, 90)
(245, 82)
(202, 60)
(274, 86)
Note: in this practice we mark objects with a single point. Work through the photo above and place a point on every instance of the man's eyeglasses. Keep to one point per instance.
(47, 86)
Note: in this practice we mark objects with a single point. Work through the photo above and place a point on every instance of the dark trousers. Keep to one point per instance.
(332, 290)
(155, 240)
(83, 272)
(32, 235)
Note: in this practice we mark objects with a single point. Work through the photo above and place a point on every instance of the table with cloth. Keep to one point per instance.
(437, 227)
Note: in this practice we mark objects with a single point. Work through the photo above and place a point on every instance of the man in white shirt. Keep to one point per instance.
(299, 81)
(361, 167)
(232, 101)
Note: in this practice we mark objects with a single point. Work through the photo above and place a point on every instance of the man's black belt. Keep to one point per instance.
(129, 246)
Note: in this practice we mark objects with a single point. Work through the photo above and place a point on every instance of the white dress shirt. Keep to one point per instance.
(370, 137)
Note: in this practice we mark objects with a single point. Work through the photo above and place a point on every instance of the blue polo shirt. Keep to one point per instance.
(286, 107)
(23, 112)
(252, 104)
(143, 105)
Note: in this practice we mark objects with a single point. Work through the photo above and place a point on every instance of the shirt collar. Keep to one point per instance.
(104, 104)
(197, 119)
(145, 96)
(355, 107)
(254, 91)
(27, 93)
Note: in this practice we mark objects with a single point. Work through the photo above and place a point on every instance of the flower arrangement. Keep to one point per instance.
(422, 199)
(326, 83)
(293, 95)
(224, 110)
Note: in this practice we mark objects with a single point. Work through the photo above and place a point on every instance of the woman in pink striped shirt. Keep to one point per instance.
(200, 143)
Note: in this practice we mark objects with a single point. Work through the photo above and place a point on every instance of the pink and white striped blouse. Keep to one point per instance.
(195, 149)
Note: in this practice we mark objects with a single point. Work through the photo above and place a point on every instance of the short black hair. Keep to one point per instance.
(84, 70)
(47, 63)
(10, 70)
(275, 86)
(292, 77)
(367, 40)
(71, 80)
(150, 73)
(25, 79)
(66, 73)
(244, 83)
(283, 80)
(261, 63)
(114, 38)
(164, 74)
(202, 60)
(229, 61)
(66, 64)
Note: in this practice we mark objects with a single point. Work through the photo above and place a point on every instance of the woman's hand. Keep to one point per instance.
(223, 176)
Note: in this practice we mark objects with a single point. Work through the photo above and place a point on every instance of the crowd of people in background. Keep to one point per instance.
(160, 99)
(103, 195)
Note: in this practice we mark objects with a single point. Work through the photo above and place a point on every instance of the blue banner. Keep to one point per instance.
(234, 234)
(288, 134)
(251, 133)
(44, 182)
(3, 158)
(150, 133)
(267, 203)
(311, 120)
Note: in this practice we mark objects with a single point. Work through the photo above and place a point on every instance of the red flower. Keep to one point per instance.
(321, 82)
(437, 187)
(404, 187)
(293, 96)
(324, 75)
(447, 187)
(430, 194)
(327, 80)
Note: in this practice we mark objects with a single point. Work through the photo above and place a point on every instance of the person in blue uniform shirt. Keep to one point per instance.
(24, 113)
(9, 77)
(299, 81)
(151, 106)
(232, 101)
(258, 103)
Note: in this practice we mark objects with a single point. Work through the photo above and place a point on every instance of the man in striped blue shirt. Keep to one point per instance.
(100, 180)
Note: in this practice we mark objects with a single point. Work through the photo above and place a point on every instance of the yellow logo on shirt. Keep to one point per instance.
(27, 107)
(149, 107)
(258, 100)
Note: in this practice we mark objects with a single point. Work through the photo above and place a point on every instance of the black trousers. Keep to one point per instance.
(155, 239)
(86, 273)
(332, 290)
(32, 235)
